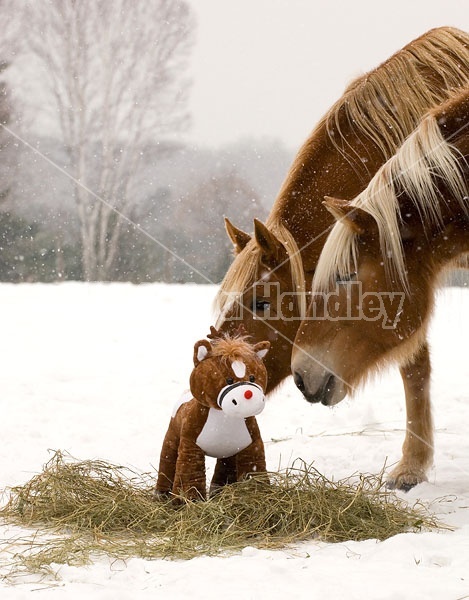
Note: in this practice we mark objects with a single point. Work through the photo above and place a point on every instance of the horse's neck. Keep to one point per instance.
(453, 241)
(322, 169)
(452, 118)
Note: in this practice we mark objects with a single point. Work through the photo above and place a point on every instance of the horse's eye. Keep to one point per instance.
(252, 379)
(260, 306)
(347, 278)
(230, 381)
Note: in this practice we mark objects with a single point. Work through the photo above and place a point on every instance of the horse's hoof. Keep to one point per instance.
(405, 486)
(405, 480)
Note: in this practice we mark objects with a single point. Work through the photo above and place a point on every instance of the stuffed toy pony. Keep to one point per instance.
(216, 418)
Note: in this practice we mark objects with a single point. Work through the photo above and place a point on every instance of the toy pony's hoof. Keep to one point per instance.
(160, 496)
(215, 489)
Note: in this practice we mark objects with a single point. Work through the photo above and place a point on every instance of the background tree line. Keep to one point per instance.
(95, 182)
(180, 201)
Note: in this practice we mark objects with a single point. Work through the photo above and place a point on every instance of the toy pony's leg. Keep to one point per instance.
(252, 458)
(189, 479)
(167, 466)
(225, 473)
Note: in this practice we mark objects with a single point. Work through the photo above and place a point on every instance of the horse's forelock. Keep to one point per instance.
(241, 274)
(245, 270)
(337, 259)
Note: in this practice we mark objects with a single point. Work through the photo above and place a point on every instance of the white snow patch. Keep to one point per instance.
(83, 369)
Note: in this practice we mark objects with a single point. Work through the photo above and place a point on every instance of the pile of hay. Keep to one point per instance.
(94, 506)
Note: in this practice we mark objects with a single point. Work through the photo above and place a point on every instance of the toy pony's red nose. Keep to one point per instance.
(248, 394)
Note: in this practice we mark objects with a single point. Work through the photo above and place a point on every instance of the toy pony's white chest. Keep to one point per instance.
(222, 435)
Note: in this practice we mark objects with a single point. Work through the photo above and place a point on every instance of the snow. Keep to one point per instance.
(95, 369)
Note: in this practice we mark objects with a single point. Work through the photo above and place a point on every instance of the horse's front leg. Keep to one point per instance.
(417, 451)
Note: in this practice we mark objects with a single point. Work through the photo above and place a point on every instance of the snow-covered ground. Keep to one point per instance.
(95, 369)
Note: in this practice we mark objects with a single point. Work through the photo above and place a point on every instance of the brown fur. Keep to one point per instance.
(360, 132)
(182, 461)
(426, 190)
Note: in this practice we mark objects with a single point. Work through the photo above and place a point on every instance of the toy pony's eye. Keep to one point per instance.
(252, 379)
(230, 381)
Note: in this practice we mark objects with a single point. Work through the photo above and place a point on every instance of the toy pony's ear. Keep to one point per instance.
(261, 348)
(202, 350)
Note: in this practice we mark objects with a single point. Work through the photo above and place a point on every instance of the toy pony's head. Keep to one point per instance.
(229, 374)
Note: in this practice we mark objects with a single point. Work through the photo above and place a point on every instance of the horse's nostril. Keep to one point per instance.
(299, 382)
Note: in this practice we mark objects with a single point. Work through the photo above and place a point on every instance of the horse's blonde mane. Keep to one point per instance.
(384, 105)
(424, 159)
(387, 103)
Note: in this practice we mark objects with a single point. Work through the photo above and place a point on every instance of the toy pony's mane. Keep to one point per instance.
(384, 105)
(229, 349)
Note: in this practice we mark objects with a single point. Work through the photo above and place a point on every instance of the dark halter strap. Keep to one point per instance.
(231, 387)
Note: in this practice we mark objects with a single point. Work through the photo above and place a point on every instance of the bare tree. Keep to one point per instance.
(202, 239)
(5, 141)
(116, 73)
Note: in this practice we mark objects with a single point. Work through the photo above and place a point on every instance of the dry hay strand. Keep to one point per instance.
(94, 507)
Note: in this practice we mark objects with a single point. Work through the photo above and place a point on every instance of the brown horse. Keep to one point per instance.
(265, 287)
(374, 286)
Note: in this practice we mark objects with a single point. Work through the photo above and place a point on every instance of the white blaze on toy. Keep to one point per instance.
(239, 368)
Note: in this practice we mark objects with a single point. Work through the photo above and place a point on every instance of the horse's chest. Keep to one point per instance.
(223, 436)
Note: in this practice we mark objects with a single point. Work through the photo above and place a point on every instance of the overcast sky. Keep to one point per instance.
(272, 67)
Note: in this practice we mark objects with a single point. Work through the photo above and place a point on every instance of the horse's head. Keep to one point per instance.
(373, 289)
(264, 290)
(229, 374)
(361, 313)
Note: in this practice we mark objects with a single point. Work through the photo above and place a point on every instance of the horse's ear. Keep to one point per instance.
(358, 219)
(261, 348)
(273, 252)
(202, 350)
(239, 238)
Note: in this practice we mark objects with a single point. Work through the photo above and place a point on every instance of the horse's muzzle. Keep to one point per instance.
(323, 394)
